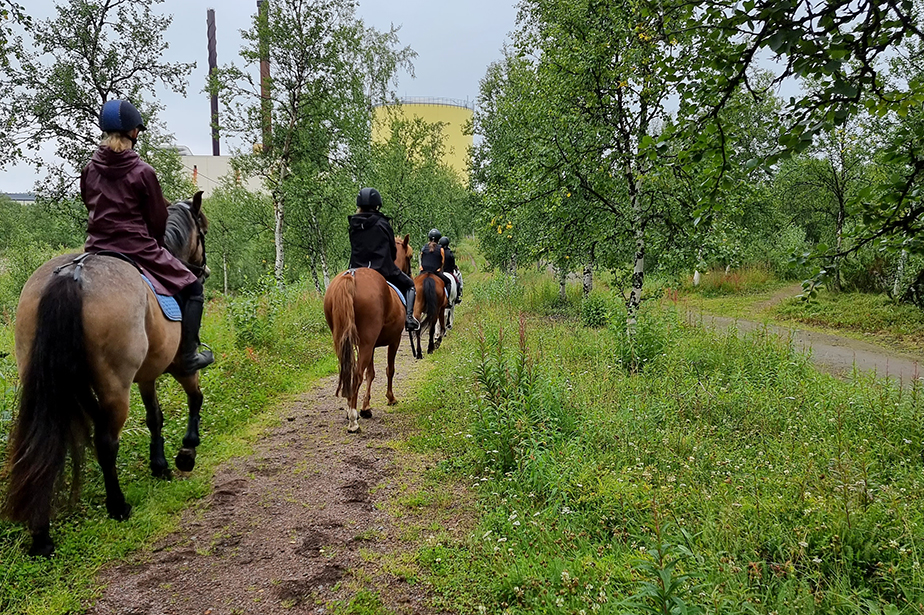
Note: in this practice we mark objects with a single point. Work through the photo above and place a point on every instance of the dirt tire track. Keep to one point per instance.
(285, 528)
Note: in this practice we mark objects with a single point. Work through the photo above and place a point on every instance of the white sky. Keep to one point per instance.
(455, 42)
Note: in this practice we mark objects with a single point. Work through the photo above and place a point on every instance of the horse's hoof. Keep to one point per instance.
(162, 472)
(41, 548)
(392, 402)
(121, 513)
(186, 459)
(366, 414)
(353, 428)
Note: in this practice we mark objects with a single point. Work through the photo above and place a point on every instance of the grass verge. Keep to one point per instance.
(707, 473)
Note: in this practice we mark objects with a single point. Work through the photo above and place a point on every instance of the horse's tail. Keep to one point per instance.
(430, 297)
(55, 401)
(346, 337)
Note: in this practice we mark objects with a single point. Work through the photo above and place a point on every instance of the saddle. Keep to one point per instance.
(168, 305)
(352, 272)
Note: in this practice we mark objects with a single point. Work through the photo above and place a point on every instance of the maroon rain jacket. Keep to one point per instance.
(128, 214)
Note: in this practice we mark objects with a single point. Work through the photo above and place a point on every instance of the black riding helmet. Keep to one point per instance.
(369, 199)
(444, 241)
(120, 116)
(434, 235)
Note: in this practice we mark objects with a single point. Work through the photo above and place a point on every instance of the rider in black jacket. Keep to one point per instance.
(431, 257)
(372, 244)
(449, 266)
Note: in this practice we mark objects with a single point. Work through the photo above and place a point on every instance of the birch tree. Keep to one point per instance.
(312, 112)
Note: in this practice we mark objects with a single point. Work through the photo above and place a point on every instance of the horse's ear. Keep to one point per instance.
(196, 203)
(407, 240)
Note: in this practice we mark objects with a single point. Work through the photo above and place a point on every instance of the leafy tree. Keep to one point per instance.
(313, 112)
(66, 68)
(841, 48)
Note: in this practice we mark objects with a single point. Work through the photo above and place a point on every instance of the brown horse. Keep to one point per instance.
(430, 308)
(363, 313)
(86, 328)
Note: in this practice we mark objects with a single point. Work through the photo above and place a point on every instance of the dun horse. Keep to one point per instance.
(364, 313)
(430, 308)
(86, 328)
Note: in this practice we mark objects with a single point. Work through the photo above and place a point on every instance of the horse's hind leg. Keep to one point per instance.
(155, 420)
(107, 425)
(390, 372)
(186, 457)
(367, 367)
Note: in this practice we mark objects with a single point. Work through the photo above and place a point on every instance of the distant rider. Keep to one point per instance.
(372, 244)
(431, 257)
(449, 266)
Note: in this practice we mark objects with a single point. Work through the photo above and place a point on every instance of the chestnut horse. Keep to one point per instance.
(363, 313)
(430, 308)
(87, 326)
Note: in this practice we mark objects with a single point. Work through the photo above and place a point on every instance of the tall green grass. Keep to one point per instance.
(725, 476)
(241, 390)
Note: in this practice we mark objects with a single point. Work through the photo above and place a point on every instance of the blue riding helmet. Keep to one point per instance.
(120, 116)
(434, 235)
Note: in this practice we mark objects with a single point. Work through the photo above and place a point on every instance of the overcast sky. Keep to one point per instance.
(455, 42)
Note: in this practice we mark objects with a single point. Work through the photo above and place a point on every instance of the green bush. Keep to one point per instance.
(595, 309)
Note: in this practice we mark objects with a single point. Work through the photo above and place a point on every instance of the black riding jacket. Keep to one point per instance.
(431, 261)
(372, 243)
(449, 261)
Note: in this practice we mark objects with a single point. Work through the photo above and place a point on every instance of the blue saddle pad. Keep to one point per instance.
(168, 304)
(400, 294)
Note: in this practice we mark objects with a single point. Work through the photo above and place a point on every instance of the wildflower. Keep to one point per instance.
(559, 602)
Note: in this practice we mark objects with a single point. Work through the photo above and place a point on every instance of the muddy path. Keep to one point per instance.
(301, 523)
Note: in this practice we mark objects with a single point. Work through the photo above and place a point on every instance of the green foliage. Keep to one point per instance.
(595, 310)
(92, 51)
(726, 476)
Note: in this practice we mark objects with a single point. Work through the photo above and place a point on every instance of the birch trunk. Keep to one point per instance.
(589, 271)
(896, 285)
(314, 272)
(279, 266)
(224, 270)
(841, 216)
(638, 270)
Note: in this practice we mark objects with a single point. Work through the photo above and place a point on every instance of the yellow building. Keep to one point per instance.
(453, 114)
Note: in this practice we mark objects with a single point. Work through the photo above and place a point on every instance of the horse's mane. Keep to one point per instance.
(180, 226)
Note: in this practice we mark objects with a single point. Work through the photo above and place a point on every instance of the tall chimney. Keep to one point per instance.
(266, 103)
(213, 69)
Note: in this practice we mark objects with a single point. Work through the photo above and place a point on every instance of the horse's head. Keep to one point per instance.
(185, 235)
(405, 254)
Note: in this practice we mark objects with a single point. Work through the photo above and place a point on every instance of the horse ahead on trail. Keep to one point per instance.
(87, 326)
(363, 313)
(430, 309)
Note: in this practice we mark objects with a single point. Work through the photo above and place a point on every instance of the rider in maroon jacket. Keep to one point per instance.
(128, 214)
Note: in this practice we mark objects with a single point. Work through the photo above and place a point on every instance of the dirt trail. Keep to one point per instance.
(831, 353)
(301, 522)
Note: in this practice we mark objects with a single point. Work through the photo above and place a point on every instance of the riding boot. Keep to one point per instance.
(410, 322)
(191, 360)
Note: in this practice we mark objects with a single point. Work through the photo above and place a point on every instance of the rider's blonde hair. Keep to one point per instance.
(116, 141)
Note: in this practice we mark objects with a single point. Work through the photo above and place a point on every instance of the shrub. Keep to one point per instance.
(595, 310)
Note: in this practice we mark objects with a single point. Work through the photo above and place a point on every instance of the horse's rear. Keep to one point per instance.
(430, 308)
(83, 335)
(363, 313)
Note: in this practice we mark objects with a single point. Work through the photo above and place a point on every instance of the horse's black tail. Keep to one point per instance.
(55, 401)
(430, 298)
